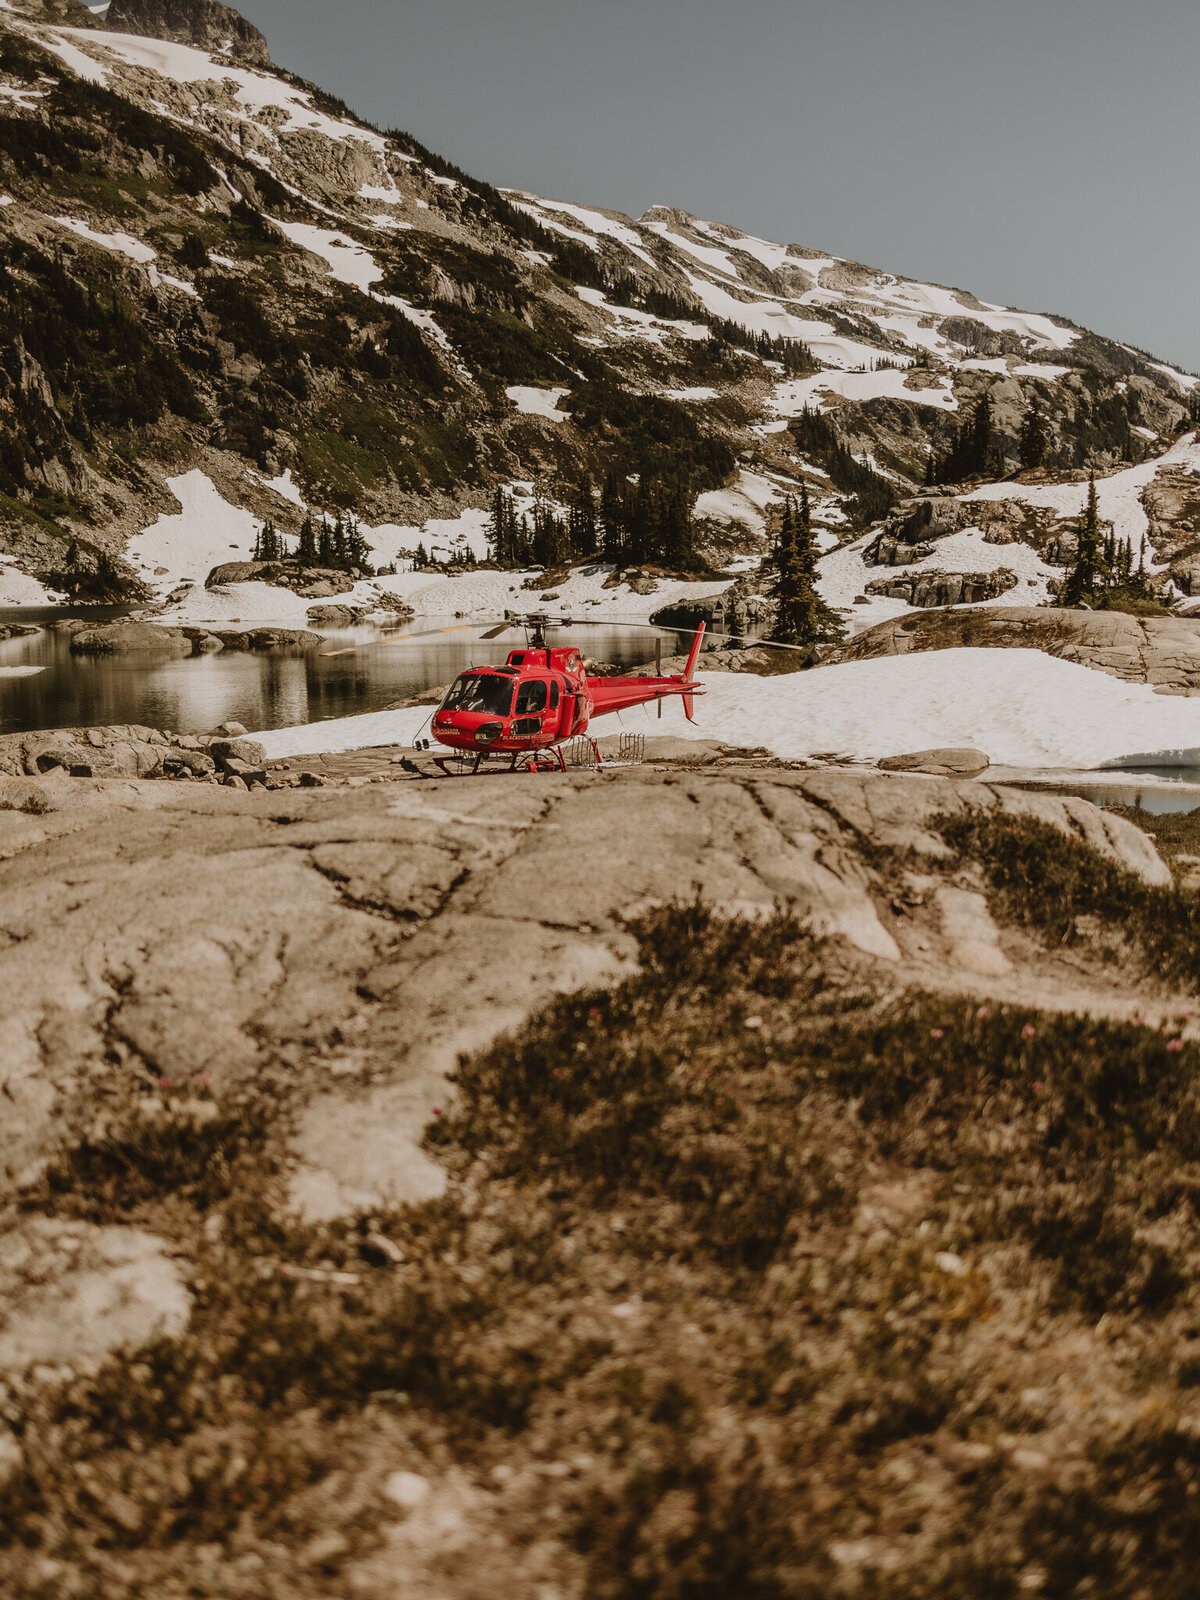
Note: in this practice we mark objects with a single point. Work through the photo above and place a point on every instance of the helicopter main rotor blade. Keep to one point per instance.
(429, 633)
(494, 633)
(671, 627)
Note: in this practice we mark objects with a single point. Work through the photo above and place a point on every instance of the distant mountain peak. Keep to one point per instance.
(206, 23)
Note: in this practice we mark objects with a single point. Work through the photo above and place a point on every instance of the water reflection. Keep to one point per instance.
(193, 694)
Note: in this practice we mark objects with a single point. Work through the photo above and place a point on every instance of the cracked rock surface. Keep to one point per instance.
(1162, 651)
(350, 944)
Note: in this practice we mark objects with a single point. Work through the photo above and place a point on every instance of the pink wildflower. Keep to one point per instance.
(1174, 1044)
(936, 1033)
(1028, 1031)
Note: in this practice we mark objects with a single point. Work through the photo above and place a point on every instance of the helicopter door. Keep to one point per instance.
(532, 696)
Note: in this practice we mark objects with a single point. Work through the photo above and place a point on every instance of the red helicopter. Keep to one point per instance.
(524, 711)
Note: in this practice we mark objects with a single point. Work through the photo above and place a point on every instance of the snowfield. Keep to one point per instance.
(1023, 708)
(842, 574)
(1119, 496)
(256, 91)
(791, 398)
(205, 532)
(17, 588)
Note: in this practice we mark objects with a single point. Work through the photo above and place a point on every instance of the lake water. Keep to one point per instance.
(259, 690)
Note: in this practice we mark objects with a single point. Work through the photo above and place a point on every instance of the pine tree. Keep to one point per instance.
(1088, 571)
(306, 549)
(1033, 436)
(981, 434)
(802, 616)
(581, 520)
(612, 519)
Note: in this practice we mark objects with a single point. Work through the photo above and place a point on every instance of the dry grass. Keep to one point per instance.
(749, 1282)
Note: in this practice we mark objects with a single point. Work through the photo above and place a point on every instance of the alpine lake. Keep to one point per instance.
(42, 685)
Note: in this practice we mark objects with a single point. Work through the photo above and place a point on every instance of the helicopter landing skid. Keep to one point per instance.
(582, 751)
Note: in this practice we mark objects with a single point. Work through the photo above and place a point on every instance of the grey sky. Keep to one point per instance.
(1043, 153)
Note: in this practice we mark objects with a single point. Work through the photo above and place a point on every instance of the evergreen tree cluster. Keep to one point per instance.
(817, 439)
(793, 355)
(338, 545)
(635, 521)
(802, 616)
(974, 451)
(540, 537)
(269, 545)
(1104, 574)
(648, 520)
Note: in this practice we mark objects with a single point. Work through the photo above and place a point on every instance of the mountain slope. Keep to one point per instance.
(212, 266)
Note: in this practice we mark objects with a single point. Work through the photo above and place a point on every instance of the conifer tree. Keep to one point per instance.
(306, 548)
(981, 434)
(1033, 436)
(1088, 572)
(802, 617)
(584, 534)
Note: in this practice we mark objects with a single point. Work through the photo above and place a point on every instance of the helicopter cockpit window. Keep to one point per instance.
(480, 691)
(554, 695)
(531, 696)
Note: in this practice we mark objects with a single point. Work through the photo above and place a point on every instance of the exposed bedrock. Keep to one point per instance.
(1163, 651)
(343, 947)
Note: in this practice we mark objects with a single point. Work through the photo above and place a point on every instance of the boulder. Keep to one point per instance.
(248, 751)
(269, 639)
(942, 763)
(331, 616)
(229, 730)
(131, 638)
(929, 589)
(191, 761)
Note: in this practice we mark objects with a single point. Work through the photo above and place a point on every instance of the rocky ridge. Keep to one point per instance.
(319, 299)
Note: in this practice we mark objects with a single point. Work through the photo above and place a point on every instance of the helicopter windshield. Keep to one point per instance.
(480, 691)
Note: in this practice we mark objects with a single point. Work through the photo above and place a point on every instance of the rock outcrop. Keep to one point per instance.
(943, 763)
(367, 936)
(1163, 651)
(151, 639)
(925, 589)
(129, 751)
(205, 23)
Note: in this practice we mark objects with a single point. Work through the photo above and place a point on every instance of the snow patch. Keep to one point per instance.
(255, 91)
(83, 66)
(744, 501)
(284, 486)
(205, 532)
(790, 399)
(533, 402)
